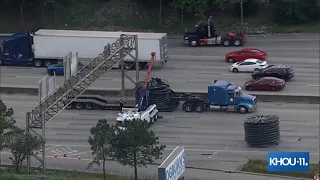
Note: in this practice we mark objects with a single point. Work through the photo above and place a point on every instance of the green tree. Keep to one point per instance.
(7, 123)
(22, 145)
(100, 144)
(226, 3)
(136, 146)
(181, 5)
(200, 7)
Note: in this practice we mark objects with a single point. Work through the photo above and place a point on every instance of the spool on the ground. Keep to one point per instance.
(262, 130)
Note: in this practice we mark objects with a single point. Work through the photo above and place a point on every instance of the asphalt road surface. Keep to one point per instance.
(193, 69)
(212, 139)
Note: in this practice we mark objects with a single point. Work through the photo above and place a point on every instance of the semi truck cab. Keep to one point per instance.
(222, 95)
(17, 50)
(204, 33)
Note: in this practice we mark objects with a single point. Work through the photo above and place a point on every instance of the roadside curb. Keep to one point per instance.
(249, 173)
(208, 169)
(271, 97)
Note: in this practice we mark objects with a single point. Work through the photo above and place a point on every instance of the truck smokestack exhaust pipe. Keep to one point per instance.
(209, 26)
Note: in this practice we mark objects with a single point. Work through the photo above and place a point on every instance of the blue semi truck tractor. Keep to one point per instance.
(222, 95)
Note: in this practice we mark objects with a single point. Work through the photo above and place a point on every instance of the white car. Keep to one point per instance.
(248, 65)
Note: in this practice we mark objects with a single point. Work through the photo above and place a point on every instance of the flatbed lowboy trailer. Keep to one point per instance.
(222, 95)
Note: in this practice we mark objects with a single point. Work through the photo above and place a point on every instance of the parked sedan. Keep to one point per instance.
(248, 65)
(58, 69)
(266, 84)
(246, 53)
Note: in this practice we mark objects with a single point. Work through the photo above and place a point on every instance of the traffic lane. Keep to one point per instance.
(180, 62)
(73, 126)
(74, 164)
(184, 81)
(176, 71)
(293, 87)
(272, 51)
(71, 131)
(299, 125)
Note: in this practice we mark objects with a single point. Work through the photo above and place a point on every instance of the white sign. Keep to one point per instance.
(74, 63)
(46, 87)
(52, 85)
(175, 169)
(43, 90)
(67, 66)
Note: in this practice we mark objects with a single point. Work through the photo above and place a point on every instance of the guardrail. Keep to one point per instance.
(131, 93)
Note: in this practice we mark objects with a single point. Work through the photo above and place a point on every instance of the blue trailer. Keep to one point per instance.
(222, 95)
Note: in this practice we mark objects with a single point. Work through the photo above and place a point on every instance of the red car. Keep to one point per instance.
(246, 53)
(266, 84)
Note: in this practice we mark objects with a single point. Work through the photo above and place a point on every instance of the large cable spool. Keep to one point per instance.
(262, 130)
(161, 95)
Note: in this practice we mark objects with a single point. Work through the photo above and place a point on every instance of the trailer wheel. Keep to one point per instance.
(88, 106)
(200, 107)
(188, 107)
(37, 63)
(69, 106)
(127, 65)
(243, 109)
(47, 63)
(79, 106)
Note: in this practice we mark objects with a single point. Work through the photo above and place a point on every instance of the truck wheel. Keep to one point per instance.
(79, 106)
(226, 42)
(37, 63)
(200, 107)
(69, 106)
(47, 63)
(237, 42)
(193, 43)
(127, 66)
(88, 106)
(188, 107)
(243, 110)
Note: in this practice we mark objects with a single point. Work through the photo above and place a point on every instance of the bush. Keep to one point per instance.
(295, 11)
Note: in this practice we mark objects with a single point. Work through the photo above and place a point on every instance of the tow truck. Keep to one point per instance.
(204, 33)
(143, 111)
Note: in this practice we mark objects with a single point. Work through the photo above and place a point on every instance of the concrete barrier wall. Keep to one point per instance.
(131, 93)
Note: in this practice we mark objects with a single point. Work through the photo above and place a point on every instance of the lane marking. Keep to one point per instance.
(315, 85)
(52, 147)
(188, 149)
(80, 153)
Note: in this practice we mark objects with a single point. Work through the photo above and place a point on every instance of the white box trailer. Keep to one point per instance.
(55, 44)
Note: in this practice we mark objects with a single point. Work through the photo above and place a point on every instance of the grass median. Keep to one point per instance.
(261, 166)
(10, 174)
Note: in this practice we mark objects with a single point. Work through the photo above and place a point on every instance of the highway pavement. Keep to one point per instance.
(212, 139)
(192, 69)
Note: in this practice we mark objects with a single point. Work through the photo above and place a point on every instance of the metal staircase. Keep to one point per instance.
(75, 86)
